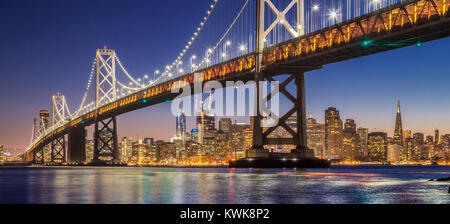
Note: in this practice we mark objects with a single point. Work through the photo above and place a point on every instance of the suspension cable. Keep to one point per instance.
(87, 89)
(126, 72)
(191, 41)
(223, 36)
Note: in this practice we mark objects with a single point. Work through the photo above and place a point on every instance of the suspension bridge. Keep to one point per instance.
(284, 37)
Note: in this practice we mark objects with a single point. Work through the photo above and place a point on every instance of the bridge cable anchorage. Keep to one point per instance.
(223, 36)
(191, 41)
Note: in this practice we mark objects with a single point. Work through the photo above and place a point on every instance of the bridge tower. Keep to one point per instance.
(60, 114)
(261, 136)
(105, 133)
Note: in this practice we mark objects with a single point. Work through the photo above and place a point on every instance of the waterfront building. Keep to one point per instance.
(126, 148)
(363, 134)
(181, 127)
(139, 153)
(2, 154)
(149, 141)
(225, 125)
(205, 126)
(194, 135)
(407, 134)
(333, 134)
(89, 151)
(316, 137)
(237, 137)
(436, 137)
(419, 137)
(377, 147)
(350, 143)
(394, 151)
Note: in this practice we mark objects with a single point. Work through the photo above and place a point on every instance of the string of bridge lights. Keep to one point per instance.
(169, 68)
(211, 51)
(87, 89)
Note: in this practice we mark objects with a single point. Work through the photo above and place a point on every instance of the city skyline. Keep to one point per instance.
(366, 90)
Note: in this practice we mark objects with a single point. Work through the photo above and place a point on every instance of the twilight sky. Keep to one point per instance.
(47, 46)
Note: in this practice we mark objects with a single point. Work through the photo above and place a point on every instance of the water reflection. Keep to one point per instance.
(183, 185)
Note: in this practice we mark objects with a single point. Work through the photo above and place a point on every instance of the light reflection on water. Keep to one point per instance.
(370, 184)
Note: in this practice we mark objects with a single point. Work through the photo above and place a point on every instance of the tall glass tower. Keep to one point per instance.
(398, 132)
(181, 126)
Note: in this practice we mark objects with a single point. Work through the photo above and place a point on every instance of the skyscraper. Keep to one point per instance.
(316, 137)
(2, 154)
(181, 126)
(398, 132)
(205, 126)
(378, 147)
(225, 125)
(350, 143)
(333, 134)
(436, 137)
(363, 134)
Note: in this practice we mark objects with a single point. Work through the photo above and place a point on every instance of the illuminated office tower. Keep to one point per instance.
(2, 154)
(398, 132)
(237, 137)
(436, 137)
(126, 149)
(316, 137)
(333, 134)
(89, 151)
(407, 134)
(419, 137)
(149, 141)
(394, 153)
(139, 152)
(194, 135)
(225, 125)
(377, 147)
(206, 126)
(429, 139)
(350, 142)
(363, 134)
(181, 126)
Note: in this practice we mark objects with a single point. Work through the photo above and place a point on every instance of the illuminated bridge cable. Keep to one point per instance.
(191, 41)
(126, 73)
(78, 112)
(223, 36)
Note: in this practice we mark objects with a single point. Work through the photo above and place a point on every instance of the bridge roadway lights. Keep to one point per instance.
(105, 142)
(77, 145)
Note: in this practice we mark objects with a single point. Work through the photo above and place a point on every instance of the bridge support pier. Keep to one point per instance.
(77, 145)
(261, 135)
(38, 156)
(105, 141)
(58, 150)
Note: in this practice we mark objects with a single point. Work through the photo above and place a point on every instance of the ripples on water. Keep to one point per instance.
(369, 184)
